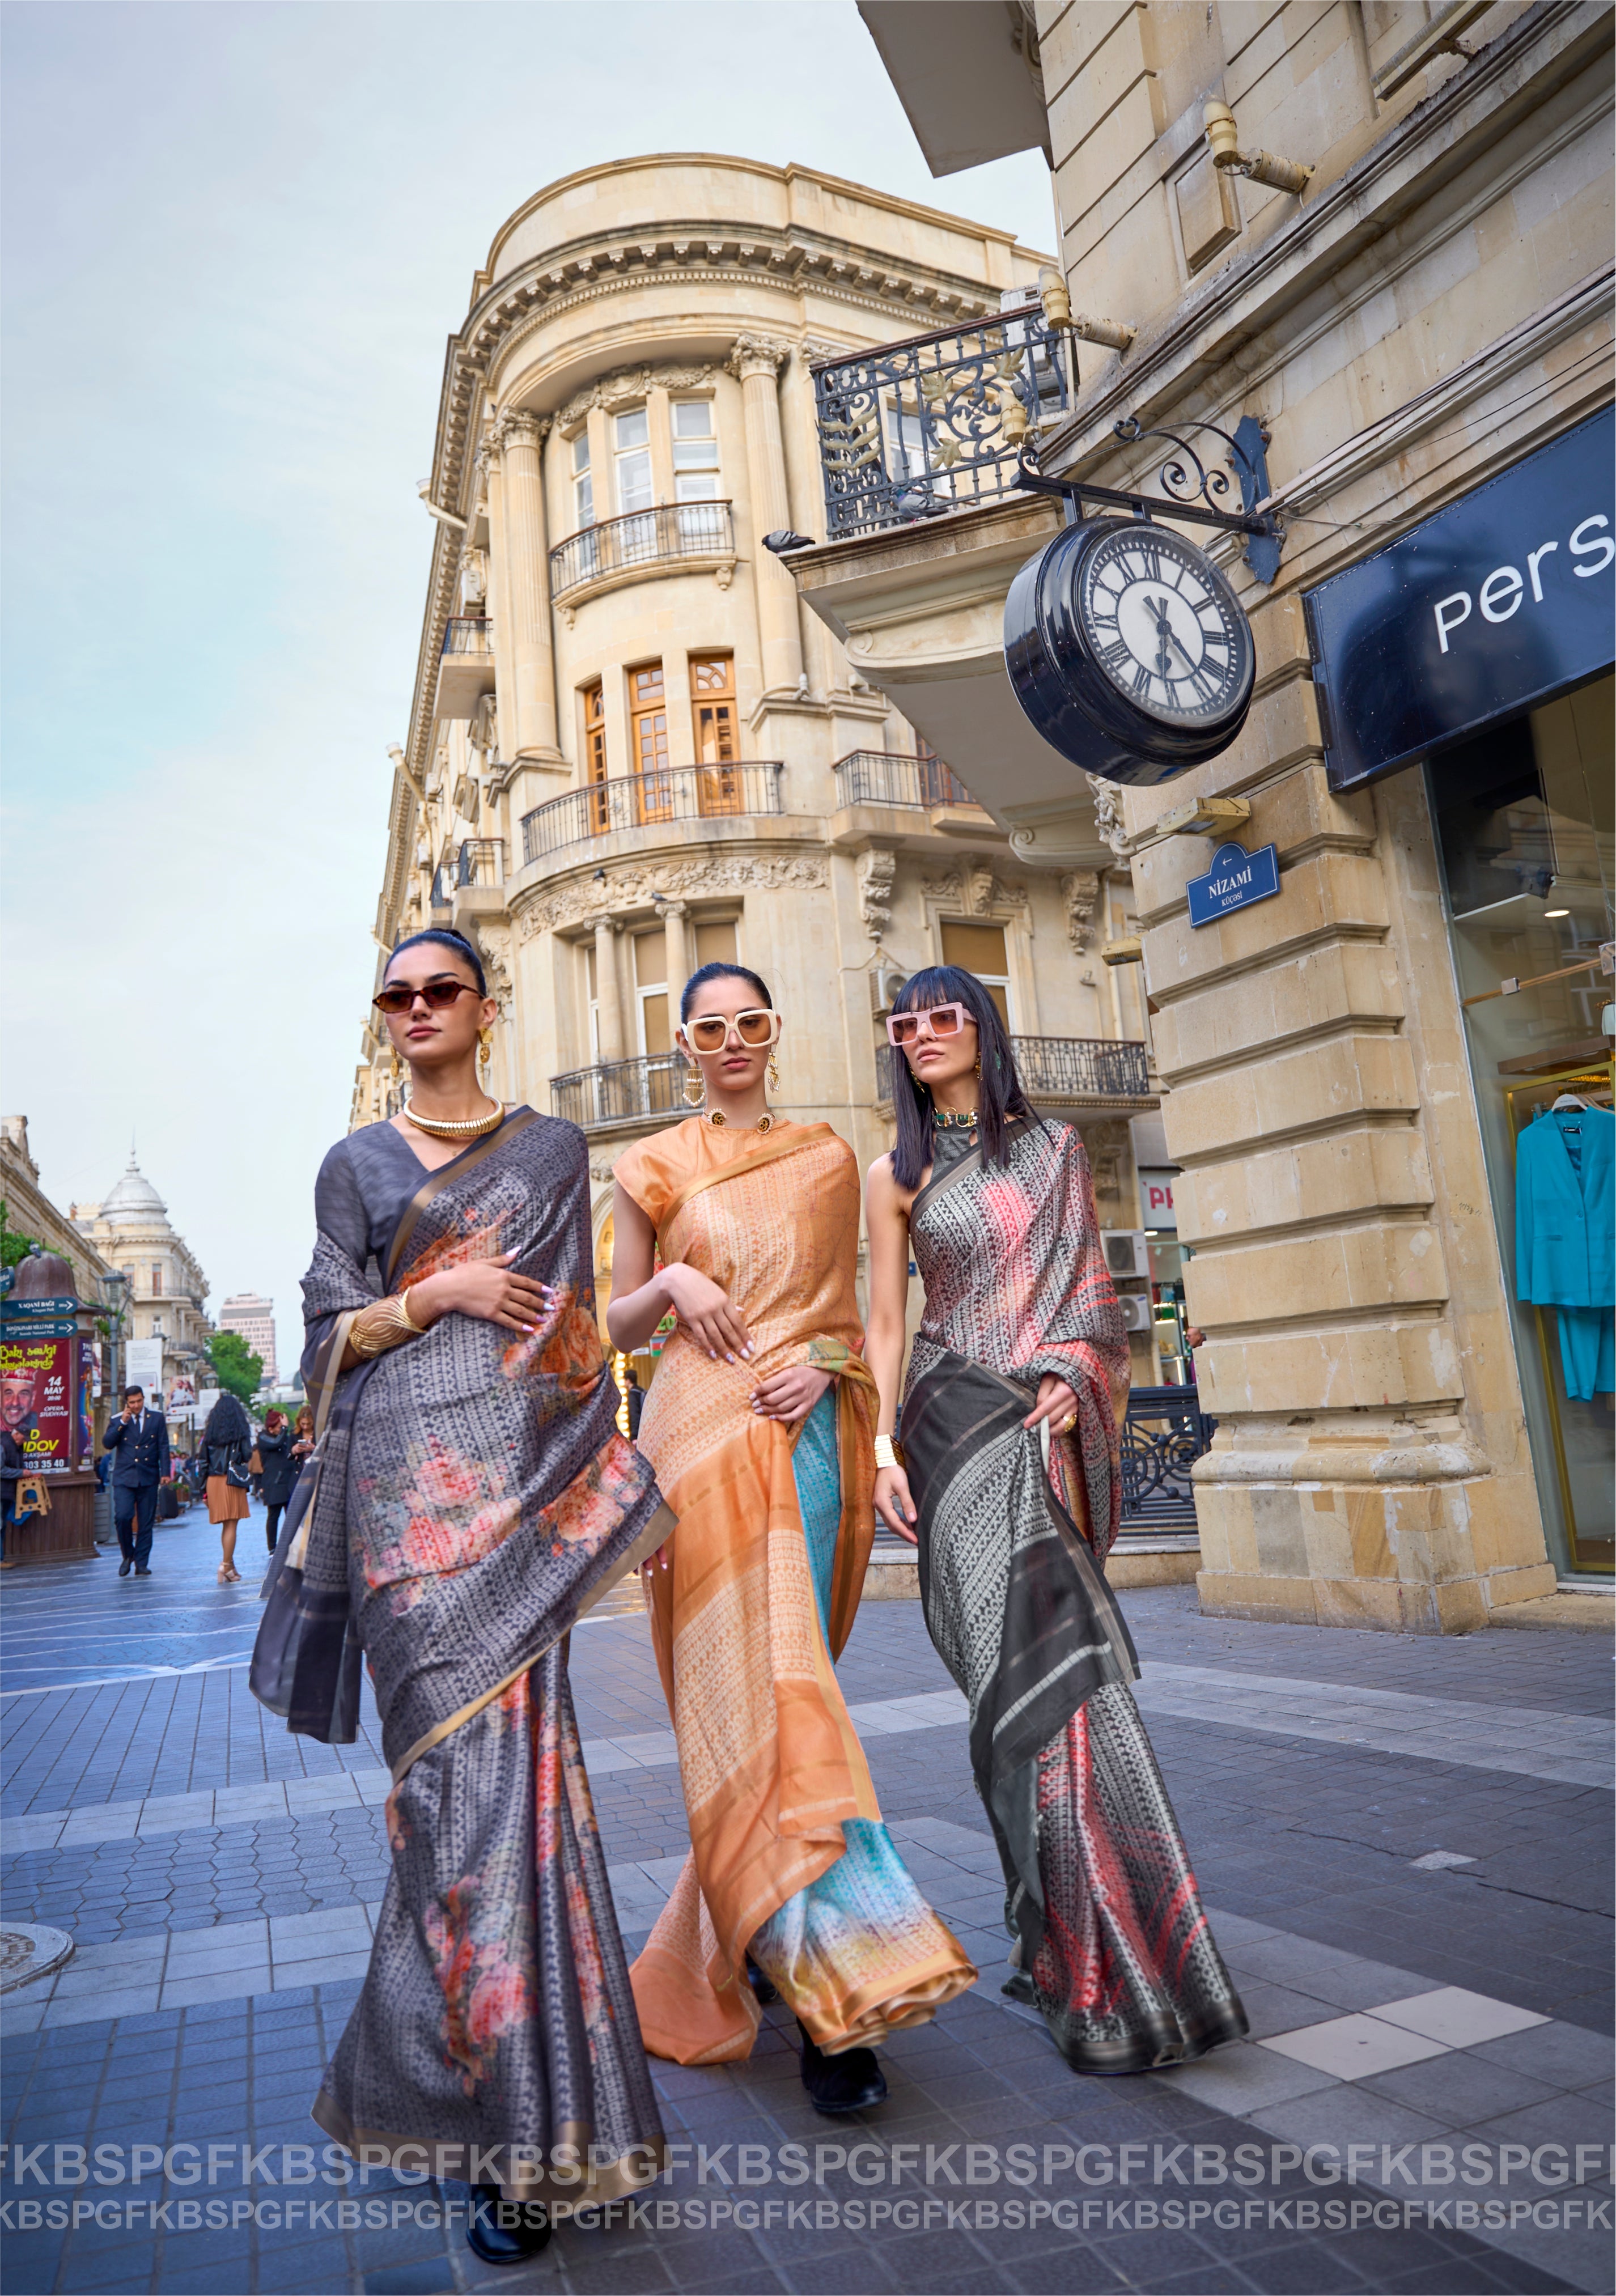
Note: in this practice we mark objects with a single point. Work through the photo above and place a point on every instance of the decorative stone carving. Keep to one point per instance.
(626, 386)
(1079, 890)
(485, 726)
(757, 355)
(589, 898)
(519, 426)
(876, 871)
(973, 888)
(1108, 812)
(494, 939)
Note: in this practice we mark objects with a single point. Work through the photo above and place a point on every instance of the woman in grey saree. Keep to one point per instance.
(1009, 1474)
(468, 1499)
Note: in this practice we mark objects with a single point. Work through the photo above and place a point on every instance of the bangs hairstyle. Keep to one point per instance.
(456, 943)
(999, 1094)
(719, 971)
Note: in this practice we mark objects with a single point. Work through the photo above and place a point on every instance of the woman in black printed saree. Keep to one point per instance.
(467, 1500)
(1008, 1478)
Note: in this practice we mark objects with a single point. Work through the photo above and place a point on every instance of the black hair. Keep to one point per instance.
(136, 1390)
(999, 1094)
(703, 973)
(446, 939)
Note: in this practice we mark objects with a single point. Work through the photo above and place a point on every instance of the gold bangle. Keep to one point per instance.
(410, 1324)
(887, 1453)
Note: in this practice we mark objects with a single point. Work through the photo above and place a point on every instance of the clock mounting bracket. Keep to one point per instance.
(1190, 490)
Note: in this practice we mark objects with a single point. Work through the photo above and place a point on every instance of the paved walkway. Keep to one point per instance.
(1404, 1846)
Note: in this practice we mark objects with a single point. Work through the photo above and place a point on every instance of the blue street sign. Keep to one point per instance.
(1235, 879)
(16, 1330)
(60, 1304)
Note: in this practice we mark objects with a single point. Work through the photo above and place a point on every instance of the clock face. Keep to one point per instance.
(1164, 626)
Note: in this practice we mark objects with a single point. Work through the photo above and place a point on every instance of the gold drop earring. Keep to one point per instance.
(693, 1075)
(485, 1054)
(394, 1067)
(773, 1073)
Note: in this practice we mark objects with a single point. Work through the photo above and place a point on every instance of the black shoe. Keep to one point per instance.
(850, 2082)
(141, 1570)
(124, 1568)
(510, 2242)
(1019, 1988)
(764, 1989)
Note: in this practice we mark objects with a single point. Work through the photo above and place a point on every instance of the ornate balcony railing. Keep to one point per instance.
(443, 893)
(914, 429)
(620, 1092)
(482, 862)
(643, 538)
(647, 800)
(464, 635)
(893, 777)
(1163, 1434)
(1059, 1069)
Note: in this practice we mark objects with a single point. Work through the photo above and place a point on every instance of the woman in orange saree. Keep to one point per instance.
(758, 1425)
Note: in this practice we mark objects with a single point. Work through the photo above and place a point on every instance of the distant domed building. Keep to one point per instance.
(130, 1228)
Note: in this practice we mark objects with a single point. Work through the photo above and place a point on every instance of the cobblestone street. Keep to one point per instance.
(1404, 1845)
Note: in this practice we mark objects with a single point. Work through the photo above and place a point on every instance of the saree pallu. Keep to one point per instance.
(789, 1856)
(467, 1500)
(1099, 1893)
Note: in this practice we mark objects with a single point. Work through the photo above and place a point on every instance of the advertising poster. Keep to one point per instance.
(37, 1400)
(144, 1368)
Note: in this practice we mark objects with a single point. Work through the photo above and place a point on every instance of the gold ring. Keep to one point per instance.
(1067, 1423)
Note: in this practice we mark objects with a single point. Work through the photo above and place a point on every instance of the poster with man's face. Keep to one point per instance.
(36, 1401)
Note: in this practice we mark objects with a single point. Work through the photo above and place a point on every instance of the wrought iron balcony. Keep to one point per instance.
(443, 891)
(620, 1092)
(893, 777)
(648, 800)
(482, 862)
(643, 538)
(466, 634)
(1061, 1070)
(935, 423)
(1163, 1435)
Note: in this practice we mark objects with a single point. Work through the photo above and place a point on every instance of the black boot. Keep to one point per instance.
(850, 2082)
(124, 1567)
(764, 1989)
(505, 2231)
(1019, 1988)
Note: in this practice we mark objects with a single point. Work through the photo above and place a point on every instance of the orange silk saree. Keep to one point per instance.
(788, 1852)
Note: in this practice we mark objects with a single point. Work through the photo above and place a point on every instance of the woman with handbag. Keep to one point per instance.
(279, 1463)
(226, 1451)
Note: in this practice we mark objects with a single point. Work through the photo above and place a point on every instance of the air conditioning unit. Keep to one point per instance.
(1136, 1313)
(887, 985)
(1127, 1254)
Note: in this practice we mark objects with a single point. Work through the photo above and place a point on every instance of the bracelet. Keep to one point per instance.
(388, 1325)
(887, 1454)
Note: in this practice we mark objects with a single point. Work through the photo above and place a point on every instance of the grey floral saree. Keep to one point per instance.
(1099, 1895)
(468, 1498)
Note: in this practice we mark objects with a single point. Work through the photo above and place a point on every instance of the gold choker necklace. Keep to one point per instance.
(720, 1122)
(439, 1127)
(954, 1119)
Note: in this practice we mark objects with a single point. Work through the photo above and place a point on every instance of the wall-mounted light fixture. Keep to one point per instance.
(1262, 167)
(1053, 293)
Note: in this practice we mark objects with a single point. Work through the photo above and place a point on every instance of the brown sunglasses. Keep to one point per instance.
(437, 995)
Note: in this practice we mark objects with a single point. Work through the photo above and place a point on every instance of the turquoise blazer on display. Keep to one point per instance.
(1565, 1212)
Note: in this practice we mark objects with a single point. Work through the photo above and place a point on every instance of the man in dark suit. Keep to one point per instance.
(140, 1438)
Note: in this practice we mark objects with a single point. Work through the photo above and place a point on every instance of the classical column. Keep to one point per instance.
(675, 916)
(526, 635)
(756, 361)
(608, 997)
(499, 598)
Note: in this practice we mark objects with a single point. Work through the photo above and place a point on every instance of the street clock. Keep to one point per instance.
(1128, 649)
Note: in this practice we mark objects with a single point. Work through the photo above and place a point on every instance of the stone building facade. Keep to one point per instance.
(167, 1292)
(630, 749)
(1346, 1067)
(252, 1315)
(29, 1211)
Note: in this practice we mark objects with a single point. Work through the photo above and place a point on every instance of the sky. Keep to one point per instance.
(236, 238)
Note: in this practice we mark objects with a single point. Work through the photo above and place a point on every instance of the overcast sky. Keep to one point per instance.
(235, 237)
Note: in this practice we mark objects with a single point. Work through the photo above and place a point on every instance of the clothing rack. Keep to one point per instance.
(1513, 987)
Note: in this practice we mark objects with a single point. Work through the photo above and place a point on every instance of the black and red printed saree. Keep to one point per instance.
(468, 1497)
(1099, 1893)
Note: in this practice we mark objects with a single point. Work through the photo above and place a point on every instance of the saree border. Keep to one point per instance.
(661, 1526)
(517, 1120)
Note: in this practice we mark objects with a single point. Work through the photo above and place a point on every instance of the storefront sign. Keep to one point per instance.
(37, 1398)
(1156, 1201)
(1235, 879)
(1490, 609)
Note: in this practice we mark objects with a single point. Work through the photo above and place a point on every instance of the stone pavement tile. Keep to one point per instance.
(1277, 2009)
(123, 2001)
(1458, 2088)
(1243, 2077)
(1347, 2115)
(1351, 2047)
(217, 1985)
(1458, 2017)
(1577, 2118)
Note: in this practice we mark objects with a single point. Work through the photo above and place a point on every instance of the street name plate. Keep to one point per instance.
(1235, 879)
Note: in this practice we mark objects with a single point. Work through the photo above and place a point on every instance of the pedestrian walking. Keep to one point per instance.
(280, 1470)
(226, 1451)
(474, 1498)
(758, 1425)
(140, 1438)
(1008, 1477)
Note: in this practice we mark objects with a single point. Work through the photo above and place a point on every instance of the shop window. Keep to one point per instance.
(1524, 821)
(716, 944)
(696, 451)
(650, 992)
(980, 949)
